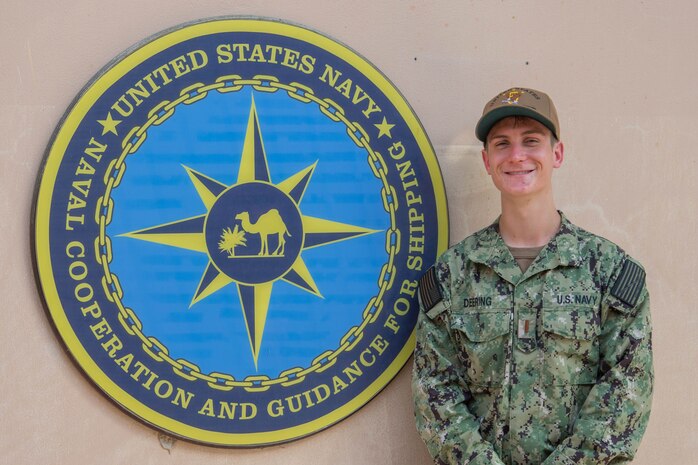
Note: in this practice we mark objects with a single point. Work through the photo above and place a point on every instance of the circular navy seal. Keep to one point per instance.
(229, 228)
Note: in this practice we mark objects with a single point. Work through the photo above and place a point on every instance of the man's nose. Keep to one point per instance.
(518, 152)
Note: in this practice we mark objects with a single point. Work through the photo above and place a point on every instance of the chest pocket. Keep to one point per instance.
(571, 343)
(481, 335)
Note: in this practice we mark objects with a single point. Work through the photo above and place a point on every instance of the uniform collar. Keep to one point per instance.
(562, 250)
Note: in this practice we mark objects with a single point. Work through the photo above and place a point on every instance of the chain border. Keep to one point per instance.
(105, 207)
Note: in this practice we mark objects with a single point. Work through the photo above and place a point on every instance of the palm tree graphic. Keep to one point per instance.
(231, 239)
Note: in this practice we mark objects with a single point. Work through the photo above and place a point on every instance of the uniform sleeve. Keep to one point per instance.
(614, 416)
(449, 430)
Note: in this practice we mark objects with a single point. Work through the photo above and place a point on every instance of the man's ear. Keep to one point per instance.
(486, 160)
(558, 154)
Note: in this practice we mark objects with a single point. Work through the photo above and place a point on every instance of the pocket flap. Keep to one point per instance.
(482, 326)
(572, 323)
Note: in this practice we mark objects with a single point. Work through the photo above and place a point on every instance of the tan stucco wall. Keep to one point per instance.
(622, 74)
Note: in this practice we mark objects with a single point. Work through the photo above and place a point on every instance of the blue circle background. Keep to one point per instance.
(159, 281)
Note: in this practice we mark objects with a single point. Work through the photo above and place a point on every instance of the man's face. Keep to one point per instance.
(520, 157)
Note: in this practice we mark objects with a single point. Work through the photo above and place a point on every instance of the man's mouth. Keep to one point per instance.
(519, 172)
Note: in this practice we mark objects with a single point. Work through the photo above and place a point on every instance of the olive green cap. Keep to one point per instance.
(518, 101)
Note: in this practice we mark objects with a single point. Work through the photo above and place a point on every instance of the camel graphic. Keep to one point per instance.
(267, 224)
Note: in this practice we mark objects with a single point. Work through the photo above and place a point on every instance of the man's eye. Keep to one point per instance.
(531, 141)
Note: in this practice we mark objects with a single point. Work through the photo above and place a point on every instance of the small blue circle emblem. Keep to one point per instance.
(254, 233)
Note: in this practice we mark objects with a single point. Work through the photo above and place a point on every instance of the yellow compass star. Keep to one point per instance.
(109, 124)
(250, 215)
(384, 128)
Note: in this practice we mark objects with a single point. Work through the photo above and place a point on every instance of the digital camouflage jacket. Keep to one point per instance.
(550, 366)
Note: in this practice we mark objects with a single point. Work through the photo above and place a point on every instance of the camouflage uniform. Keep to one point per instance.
(550, 366)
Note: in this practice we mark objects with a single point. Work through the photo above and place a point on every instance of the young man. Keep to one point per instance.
(533, 340)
